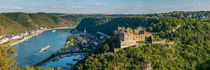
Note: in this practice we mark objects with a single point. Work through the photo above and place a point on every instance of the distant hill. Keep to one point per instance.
(109, 24)
(19, 22)
(29, 21)
(8, 26)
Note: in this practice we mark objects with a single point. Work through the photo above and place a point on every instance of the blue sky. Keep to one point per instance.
(103, 6)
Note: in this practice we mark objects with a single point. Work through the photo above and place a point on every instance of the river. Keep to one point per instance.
(28, 50)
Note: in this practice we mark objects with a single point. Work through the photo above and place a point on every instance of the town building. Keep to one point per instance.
(15, 37)
(32, 32)
(4, 40)
(128, 37)
(1, 37)
(25, 33)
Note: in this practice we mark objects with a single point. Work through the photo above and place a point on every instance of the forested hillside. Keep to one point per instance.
(108, 24)
(8, 26)
(19, 22)
(191, 49)
(190, 34)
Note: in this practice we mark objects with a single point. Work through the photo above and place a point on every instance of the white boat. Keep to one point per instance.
(44, 49)
(53, 30)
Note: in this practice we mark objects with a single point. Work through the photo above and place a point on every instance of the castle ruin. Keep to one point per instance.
(128, 37)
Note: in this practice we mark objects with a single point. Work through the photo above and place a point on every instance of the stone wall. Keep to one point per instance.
(129, 37)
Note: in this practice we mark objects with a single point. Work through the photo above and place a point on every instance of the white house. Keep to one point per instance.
(15, 37)
(37, 31)
(32, 32)
(41, 28)
(4, 39)
(24, 34)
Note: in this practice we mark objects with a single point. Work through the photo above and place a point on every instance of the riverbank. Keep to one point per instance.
(67, 49)
(71, 47)
(30, 36)
(67, 27)
(84, 43)
(57, 55)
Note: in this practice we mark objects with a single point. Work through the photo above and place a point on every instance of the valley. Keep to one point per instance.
(96, 42)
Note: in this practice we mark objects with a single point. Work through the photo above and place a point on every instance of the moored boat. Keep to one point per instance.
(53, 30)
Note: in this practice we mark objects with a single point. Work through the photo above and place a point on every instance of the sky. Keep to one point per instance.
(103, 6)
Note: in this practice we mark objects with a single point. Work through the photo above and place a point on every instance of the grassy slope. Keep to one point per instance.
(8, 26)
(19, 22)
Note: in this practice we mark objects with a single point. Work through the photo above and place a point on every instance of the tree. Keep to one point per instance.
(7, 58)
(106, 47)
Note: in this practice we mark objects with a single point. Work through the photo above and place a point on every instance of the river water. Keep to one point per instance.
(28, 50)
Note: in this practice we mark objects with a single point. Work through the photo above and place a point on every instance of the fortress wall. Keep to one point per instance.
(129, 37)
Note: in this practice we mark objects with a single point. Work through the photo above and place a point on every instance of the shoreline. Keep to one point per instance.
(51, 57)
(30, 36)
(60, 53)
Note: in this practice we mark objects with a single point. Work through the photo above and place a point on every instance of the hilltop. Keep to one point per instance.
(21, 22)
(180, 42)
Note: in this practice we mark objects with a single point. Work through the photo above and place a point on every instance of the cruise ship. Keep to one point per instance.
(44, 49)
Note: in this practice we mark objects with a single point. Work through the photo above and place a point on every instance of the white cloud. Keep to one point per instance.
(54, 6)
(99, 5)
(31, 8)
(76, 7)
(133, 9)
(18, 8)
(199, 4)
(2, 7)
(45, 10)
(137, 5)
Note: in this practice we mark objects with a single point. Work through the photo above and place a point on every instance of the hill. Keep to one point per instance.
(20, 22)
(190, 51)
(8, 26)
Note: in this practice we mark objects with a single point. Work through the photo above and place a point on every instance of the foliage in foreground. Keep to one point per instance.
(7, 60)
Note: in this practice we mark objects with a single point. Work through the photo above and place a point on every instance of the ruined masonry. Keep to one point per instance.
(128, 37)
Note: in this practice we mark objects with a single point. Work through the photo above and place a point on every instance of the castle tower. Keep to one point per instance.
(144, 32)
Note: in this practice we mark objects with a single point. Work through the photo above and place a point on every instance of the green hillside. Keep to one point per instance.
(8, 26)
(30, 21)
(108, 24)
(190, 51)
(20, 22)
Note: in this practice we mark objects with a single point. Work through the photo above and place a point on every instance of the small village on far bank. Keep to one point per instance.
(20, 37)
(127, 37)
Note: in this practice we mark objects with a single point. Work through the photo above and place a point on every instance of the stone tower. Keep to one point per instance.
(128, 37)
